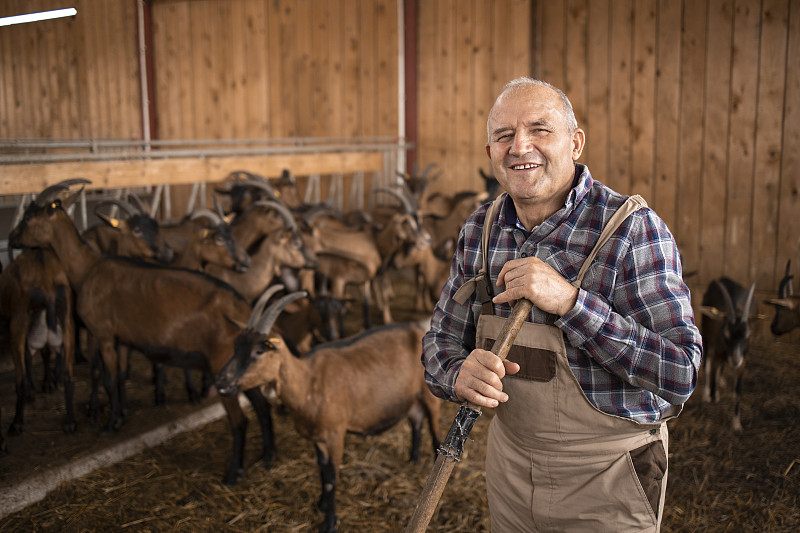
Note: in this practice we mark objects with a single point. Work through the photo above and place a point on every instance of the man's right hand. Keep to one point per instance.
(478, 380)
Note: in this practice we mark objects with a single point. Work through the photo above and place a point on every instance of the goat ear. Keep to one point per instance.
(241, 325)
(111, 221)
(786, 303)
(712, 312)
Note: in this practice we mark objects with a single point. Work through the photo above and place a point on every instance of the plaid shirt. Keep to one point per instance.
(631, 339)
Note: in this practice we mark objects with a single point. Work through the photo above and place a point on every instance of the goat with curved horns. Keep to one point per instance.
(175, 316)
(726, 337)
(364, 385)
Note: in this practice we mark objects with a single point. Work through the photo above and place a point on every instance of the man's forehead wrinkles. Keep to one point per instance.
(526, 124)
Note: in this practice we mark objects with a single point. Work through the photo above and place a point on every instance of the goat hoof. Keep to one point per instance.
(328, 526)
(70, 426)
(232, 480)
(15, 428)
(268, 457)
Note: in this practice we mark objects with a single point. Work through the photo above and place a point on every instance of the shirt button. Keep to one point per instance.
(523, 254)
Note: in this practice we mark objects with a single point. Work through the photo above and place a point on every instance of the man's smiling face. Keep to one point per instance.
(532, 149)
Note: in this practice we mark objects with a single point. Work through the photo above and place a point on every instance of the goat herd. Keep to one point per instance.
(254, 296)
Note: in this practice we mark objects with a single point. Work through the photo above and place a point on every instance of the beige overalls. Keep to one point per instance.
(555, 462)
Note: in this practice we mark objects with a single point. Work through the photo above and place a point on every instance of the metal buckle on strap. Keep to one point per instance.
(483, 289)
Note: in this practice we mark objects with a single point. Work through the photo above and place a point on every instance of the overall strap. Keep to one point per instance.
(631, 205)
(482, 283)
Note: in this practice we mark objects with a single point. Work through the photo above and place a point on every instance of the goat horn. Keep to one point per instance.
(125, 206)
(209, 214)
(403, 200)
(263, 185)
(218, 207)
(137, 202)
(283, 211)
(320, 210)
(748, 302)
(785, 290)
(50, 193)
(730, 310)
(430, 167)
(274, 310)
(258, 308)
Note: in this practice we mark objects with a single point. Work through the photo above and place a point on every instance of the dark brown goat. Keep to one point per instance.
(363, 385)
(36, 305)
(136, 235)
(726, 337)
(178, 317)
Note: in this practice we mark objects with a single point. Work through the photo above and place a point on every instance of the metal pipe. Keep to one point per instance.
(94, 144)
(169, 154)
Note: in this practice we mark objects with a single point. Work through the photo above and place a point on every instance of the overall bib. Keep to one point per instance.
(554, 461)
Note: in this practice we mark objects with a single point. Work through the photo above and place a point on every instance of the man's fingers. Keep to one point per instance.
(479, 379)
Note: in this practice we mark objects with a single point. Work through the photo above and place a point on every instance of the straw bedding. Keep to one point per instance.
(717, 482)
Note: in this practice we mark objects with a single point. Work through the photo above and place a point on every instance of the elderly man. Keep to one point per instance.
(610, 350)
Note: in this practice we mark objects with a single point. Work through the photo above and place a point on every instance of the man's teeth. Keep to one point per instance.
(526, 166)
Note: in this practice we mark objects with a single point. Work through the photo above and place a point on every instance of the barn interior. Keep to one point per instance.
(692, 104)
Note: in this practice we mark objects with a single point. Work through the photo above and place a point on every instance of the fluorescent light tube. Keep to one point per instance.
(35, 17)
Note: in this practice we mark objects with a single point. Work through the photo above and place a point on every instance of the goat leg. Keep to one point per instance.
(3, 447)
(737, 416)
(112, 385)
(70, 425)
(30, 394)
(238, 431)
(93, 410)
(327, 503)
(159, 382)
(48, 381)
(263, 412)
(19, 414)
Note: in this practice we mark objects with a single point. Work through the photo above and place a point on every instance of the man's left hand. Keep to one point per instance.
(532, 278)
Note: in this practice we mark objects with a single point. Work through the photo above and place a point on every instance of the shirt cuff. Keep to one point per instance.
(585, 319)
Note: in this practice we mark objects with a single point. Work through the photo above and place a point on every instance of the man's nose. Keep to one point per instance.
(522, 144)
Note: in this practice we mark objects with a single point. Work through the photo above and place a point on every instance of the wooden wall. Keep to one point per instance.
(251, 69)
(70, 78)
(694, 104)
(228, 69)
(467, 51)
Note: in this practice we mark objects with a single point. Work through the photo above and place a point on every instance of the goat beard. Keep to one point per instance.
(271, 390)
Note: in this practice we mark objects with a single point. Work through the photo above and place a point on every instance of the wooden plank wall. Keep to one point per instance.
(254, 69)
(223, 69)
(467, 50)
(692, 104)
(71, 78)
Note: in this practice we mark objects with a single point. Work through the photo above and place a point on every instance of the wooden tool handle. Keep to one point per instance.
(432, 492)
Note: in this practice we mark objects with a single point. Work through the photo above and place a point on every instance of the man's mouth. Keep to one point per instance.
(525, 166)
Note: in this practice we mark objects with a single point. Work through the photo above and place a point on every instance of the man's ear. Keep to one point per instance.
(578, 142)
(488, 151)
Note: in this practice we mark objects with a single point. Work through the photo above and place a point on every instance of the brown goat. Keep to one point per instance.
(280, 248)
(364, 385)
(178, 317)
(136, 235)
(36, 306)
